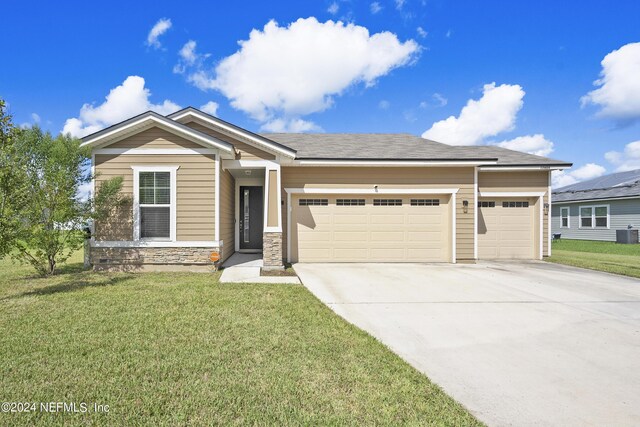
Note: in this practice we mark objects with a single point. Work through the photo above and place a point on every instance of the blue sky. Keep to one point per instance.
(543, 57)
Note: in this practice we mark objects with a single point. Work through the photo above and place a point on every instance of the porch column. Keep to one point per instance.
(272, 236)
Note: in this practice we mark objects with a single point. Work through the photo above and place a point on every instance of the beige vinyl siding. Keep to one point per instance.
(195, 204)
(272, 212)
(227, 213)
(245, 151)
(393, 177)
(536, 181)
(154, 138)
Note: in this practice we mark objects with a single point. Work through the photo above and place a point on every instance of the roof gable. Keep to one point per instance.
(147, 120)
(193, 114)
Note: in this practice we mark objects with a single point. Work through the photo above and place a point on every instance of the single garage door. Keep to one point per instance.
(507, 228)
(357, 228)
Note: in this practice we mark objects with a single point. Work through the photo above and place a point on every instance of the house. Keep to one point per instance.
(595, 209)
(203, 188)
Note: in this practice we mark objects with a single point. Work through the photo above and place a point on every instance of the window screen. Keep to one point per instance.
(387, 202)
(425, 202)
(155, 204)
(350, 202)
(313, 202)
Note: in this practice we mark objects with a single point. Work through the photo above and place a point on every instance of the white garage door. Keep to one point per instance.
(358, 228)
(506, 228)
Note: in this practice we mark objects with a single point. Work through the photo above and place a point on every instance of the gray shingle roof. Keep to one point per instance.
(622, 184)
(387, 146)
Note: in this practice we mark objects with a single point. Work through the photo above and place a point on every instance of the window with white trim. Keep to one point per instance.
(154, 198)
(564, 218)
(594, 216)
(154, 203)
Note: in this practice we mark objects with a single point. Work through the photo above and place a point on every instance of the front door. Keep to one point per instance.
(251, 217)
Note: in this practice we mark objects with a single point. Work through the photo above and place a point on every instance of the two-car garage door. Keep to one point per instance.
(359, 228)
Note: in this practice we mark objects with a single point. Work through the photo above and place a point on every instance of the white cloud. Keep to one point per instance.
(375, 7)
(210, 108)
(533, 144)
(189, 57)
(619, 93)
(627, 160)
(160, 27)
(333, 8)
(422, 32)
(495, 112)
(122, 102)
(35, 118)
(290, 126)
(448, 34)
(287, 72)
(583, 173)
(400, 4)
(384, 104)
(440, 100)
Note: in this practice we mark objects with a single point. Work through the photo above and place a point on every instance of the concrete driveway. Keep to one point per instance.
(517, 343)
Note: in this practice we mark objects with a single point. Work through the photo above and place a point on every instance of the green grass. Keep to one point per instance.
(182, 349)
(603, 256)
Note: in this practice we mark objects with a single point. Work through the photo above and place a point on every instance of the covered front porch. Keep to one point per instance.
(257, 216)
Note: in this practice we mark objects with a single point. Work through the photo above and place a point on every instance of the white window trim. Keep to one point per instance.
(451, 191)
(136, 201)
(563, 209)
(593, 216)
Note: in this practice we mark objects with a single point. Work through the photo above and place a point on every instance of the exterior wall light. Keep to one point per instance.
(465, 206)
(546, 208)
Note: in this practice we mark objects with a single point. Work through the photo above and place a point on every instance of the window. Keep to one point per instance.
(350, 202)
(564, 217)
(602, 216)
(594, 216)
(313, 202)
(425, 202)
(586, 219)
(515, 204)
(486, 204)
(154, 202)
(387, 202)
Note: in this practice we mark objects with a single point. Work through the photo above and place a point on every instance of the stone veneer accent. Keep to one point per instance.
(272, 251)
(134, 258)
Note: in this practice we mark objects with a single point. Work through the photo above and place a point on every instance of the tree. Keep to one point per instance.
(13, 188)
(53, 218)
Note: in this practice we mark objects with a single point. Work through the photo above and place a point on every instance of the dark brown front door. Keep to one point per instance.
(251, 217)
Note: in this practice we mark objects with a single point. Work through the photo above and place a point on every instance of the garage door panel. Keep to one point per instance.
(387, 219)
(390, 236)
(371, 233)
(506, 233)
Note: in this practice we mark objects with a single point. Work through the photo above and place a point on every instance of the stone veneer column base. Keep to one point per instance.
(272, 251)
(148, 258)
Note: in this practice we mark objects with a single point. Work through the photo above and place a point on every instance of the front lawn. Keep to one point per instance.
(604, 256)
(176, 349)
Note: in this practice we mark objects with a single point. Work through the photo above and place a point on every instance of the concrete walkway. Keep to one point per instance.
(519, 343)
(245, 268)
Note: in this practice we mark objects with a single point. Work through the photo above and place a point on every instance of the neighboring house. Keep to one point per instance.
(595, 209)
(203, 188)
